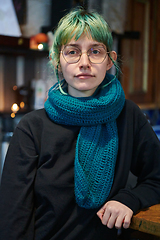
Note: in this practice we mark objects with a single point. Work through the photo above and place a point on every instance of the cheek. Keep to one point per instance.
(66, 71)
(65, 67)
(102, 70)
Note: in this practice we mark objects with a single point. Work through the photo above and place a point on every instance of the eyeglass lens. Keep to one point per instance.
(73, 54)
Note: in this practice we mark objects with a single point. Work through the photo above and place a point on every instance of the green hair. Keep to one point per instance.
(74, 24)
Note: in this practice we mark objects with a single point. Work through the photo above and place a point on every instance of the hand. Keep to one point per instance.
(116, 214)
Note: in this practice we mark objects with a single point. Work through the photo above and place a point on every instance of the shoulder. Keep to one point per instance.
(35, 113)
(132, 114)
(33, 117)
(131, 106)
(35, 121)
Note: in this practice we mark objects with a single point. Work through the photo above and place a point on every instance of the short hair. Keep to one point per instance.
(74, 24)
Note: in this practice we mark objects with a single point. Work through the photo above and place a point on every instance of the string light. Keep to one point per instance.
(13, 115)
(40, 46)
(22, 104)
(14, 107)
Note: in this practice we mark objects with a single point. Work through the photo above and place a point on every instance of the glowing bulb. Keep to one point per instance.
(22, 104)
(14, 87)
(13, 115)
(40, 46)
(14, 107)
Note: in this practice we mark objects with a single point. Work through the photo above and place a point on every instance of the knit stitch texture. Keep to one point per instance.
(97, 142)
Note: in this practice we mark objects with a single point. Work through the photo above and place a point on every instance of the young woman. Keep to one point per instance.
(67, 166)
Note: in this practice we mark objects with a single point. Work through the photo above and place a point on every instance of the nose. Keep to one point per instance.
(84, 60)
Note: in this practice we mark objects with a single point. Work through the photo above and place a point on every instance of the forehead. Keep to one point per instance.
(84, 41)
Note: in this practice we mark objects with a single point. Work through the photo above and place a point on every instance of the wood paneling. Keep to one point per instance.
(139, 56)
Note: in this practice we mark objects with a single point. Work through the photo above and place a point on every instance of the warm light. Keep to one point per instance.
(15, 107)
(13, 115)
(22, 104)
(14, 87)
(40, 46)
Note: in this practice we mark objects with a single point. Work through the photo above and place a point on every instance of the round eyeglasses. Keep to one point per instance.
(96, 54)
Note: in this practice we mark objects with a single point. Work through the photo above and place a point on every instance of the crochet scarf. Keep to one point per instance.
(97, 142)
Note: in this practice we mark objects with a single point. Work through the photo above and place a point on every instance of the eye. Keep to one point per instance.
(95, 51)
(72, 52)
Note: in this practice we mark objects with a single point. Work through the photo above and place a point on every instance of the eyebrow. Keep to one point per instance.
(91, 45)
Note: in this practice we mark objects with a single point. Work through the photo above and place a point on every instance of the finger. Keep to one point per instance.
(119, 222)
(111, 221)
(104, 216)
(126, 221)
(100, 213)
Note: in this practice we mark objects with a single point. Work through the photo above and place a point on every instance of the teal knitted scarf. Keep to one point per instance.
(97, 142)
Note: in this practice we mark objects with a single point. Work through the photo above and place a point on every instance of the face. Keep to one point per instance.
(84, 77)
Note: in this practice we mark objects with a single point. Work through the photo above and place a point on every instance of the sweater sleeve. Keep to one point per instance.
(145, 164)
(16, 192)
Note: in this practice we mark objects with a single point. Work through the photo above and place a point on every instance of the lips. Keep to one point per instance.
(84, 75)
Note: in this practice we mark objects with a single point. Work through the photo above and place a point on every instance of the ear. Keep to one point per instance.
(59, 68)
(113, 55)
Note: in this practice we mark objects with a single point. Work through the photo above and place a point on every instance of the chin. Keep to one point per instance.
(85, 87)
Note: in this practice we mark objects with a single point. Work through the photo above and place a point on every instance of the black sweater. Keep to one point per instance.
(37, 190)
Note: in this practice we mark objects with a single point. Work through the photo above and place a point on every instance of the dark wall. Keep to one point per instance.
(59, 8)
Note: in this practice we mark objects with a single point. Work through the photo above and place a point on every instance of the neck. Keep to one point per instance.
(76, 93)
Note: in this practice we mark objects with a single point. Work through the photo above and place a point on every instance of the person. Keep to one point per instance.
(66, 170)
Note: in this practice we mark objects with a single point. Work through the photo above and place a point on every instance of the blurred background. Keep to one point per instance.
(26, 35)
